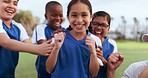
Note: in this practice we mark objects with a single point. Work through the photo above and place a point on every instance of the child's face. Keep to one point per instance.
(79, 17)
(54, 16)
(8, 9)
(100, 26)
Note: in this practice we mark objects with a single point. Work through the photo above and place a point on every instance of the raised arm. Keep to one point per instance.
(52, 59)
(93, 65)
(114, 61)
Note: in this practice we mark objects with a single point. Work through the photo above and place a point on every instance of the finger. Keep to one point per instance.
(113, 58)
(49, 41)
(121, 57)
(100, 47)
(46, 54)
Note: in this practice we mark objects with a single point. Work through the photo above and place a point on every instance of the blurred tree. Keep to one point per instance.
(136, 24)
(146, 25)
(123, 27)
(27, 20)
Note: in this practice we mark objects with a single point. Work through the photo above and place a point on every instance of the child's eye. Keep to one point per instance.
(84, 15)
(61, 15)
(54, 15)
(74, 15)
(6, 1)
(15, 3)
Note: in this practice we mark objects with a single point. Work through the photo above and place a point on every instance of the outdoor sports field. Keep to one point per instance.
(132, 51)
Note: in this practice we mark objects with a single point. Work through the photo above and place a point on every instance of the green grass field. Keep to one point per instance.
(132, 51)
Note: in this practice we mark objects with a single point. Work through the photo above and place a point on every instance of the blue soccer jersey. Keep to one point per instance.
(43, 31)
(9, 58)
(109, 46)
(73, 59)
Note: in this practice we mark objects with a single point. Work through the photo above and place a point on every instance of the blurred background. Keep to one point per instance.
(129, 22)
(129, 17)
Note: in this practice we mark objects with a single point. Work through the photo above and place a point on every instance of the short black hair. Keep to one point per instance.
(51, 3)
(103, 14)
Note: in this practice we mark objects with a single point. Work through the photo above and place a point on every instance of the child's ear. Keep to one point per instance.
(91, 16)
(109, 28)
(45, 16)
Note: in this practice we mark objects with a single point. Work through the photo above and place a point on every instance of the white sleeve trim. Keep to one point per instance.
(114, 44)
(1, 27)
(23, 34)
(39, 33)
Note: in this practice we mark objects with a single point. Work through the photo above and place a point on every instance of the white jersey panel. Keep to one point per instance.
(23, 34)
(114, 44)
(39, 33)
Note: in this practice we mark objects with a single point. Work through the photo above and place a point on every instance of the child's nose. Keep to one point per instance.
(79, 19)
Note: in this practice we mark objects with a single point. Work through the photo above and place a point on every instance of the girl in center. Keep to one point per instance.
(74, 53)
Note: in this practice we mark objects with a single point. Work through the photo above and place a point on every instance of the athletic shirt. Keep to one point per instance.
(9, 58)
(109, 47)
(73, 59)
(43, 31)
(134, 70)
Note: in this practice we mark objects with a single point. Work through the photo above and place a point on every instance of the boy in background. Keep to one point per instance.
(54, 16)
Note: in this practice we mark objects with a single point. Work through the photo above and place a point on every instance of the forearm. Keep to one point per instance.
(104, 62)
(20, 46)
(94, 65)
(110, 73)
(52, 60)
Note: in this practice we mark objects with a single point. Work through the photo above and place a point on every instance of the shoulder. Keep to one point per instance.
(96, 39)
(135, 69)
(19, 25)
(111, 41)
(137, 65)
(41, 26)
(140, 63)
(1, 27)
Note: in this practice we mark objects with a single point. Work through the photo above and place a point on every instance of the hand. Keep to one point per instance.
(114, 61)
(59, 39)
(99, 52)
(91, 45)
(45, 48)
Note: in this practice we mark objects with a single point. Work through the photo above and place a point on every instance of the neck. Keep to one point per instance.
(7, 22)
(77, 35)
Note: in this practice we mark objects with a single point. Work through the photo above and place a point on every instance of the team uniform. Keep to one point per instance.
(134, 70)
(109, 47)
(73, 59)
(9, 58)
(43, 31)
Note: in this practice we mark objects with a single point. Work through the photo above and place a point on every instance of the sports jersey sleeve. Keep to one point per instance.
(23, 34)
(114, 44)
(134, 70)
(38, 33)
(96, 39)
(1, 27)
(34, 37)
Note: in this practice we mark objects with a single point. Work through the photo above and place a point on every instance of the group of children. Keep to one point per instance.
(73, 52)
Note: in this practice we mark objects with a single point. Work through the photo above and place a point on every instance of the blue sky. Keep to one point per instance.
(116, 8)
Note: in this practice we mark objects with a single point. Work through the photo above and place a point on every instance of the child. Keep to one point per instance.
(13, 38)
(100, 26)
(135, 70)
(54, 16)
(74, 54)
